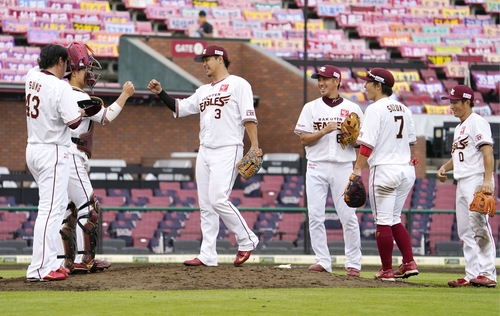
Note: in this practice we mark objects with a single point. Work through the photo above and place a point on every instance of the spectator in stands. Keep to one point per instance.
(81, 218)
(329, 166)
(205, 29)
(472, 163)
(226, 110)
(385, 138)
(50, 109)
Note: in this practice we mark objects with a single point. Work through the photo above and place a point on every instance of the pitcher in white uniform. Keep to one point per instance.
(50, 109)
(472, 164)
(226, 110)
(329, 166)
(385, 139)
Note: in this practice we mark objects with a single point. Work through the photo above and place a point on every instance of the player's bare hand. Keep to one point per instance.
(330, 127)
(82, 112)
(487, 187)
(128, 88)
(441, 175)
(154, 86)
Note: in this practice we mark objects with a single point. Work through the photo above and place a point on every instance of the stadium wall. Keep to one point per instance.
(146, 131)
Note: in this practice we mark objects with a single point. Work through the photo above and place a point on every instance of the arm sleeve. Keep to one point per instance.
(168, 100)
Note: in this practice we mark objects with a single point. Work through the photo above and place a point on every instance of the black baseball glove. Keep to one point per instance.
(355, 193)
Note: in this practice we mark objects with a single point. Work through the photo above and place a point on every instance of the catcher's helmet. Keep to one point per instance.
(79, 57)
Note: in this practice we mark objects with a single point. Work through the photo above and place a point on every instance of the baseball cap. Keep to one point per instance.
(460, 92)
(381, 75)
(327, 71)
(212, 50)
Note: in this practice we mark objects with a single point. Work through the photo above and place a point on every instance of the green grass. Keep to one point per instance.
(435, 299)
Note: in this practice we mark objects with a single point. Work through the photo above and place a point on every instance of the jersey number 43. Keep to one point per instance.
(32, 103)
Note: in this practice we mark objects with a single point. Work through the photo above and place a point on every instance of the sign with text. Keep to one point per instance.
(439, 60)
(179, 23)
(329, 10)
(313, 25)
(456, 70)
(220, 13)
(63, 4)
(156, 12)
(103, 49)
(436, 29)
(257, 15)
(72, 35)
(394, 39)
(264, 43)
(100, 6)
(372, 30)
(32, 3)
(409, 76)
(40, 36)
(437, 109)
(187, 48)
(411, 50)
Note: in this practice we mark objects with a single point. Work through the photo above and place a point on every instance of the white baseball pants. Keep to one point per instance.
(215, 177)
(475, 231)
(49, 165)
(319, 177)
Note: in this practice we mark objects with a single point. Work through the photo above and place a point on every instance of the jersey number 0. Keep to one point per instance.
(32, 102)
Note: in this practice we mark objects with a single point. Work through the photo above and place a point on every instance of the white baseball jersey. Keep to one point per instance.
(315, 116)
(469, 136)
(388, 129)
(224, 107)
(50, 108)
(99, 117)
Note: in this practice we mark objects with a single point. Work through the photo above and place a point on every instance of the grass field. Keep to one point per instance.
(437, 299)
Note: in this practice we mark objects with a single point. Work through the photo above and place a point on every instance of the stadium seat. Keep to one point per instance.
(186, 246)
(115, 243)
(449, 248)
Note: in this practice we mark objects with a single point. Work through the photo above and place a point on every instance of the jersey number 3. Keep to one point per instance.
(32, 103)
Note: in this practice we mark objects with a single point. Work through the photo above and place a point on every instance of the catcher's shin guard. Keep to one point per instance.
(68, 237)
(90, 233)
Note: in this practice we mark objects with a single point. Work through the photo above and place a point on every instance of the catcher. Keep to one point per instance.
(328, 127)
(79, 230)
(472, 164)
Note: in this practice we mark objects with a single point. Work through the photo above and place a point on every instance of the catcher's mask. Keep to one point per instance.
(80, 57)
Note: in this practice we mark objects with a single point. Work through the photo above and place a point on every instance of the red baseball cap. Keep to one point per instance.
(328, 71)
(212, 50)
(381, 75)
(460, 92)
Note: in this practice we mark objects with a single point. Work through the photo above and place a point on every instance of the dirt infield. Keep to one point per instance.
(179, 277)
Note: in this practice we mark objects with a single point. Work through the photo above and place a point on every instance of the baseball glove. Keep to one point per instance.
(483, 203)
(250, 164)
(355, 193)
(349, 130)
(92, 106)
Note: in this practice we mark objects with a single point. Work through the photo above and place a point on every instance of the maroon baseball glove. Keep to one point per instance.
(355, 193)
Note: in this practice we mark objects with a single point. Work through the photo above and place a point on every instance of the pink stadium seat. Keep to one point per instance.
(428, 75)
(449, 84)
(495, 109)
(145, 28)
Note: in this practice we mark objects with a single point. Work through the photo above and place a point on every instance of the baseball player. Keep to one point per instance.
(472, 164)
(81, 218)
(50, 109)
(385, 138)
(329, 166)
(226, 110)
